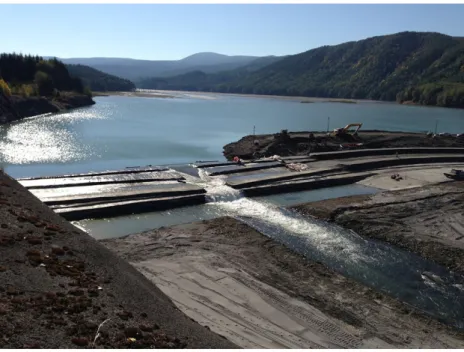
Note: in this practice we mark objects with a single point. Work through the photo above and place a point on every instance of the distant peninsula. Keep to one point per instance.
(32, 85)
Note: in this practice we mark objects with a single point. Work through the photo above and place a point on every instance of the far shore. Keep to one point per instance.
(148, 93)
(133, 94)
(180, 94)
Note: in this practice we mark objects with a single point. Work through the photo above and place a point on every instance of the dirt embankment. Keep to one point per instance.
(17, 107)
(259, 293)
(60, 288)
(428, 221)
(298, 143)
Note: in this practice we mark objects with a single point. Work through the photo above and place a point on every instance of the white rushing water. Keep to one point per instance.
(235, 204)
(399, 273)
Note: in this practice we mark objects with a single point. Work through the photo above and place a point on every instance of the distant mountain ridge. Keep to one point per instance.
(414, 67)
(410, 67)
(199, 80)
(99, 81)
(135, 70)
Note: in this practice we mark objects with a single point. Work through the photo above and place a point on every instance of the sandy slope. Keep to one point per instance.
(427, 220)
(258, 293)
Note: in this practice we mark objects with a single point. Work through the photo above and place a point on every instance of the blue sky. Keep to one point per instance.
(170, 32)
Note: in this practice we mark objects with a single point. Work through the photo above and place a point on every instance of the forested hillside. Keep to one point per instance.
(30, 86)
(34, 76)
(423, 68)
(99, 81)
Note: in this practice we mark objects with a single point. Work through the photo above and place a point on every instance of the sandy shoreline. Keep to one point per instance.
(259, 294)
(148, 93)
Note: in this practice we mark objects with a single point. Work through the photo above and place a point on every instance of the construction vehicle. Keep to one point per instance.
(340, 132)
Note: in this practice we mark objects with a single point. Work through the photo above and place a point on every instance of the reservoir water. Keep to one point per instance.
(120, 132)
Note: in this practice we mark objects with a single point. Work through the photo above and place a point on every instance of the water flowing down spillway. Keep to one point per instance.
(420, 283)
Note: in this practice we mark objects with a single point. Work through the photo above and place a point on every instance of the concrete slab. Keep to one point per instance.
(343, 154)
(307, 184)
(258, 174)
(128, 170)
(300, 160)
(108, 210)
(254, 181)
(102, 179)
(227, 163)
(243, 169)
(205, 165)
(109, 193)
(361, 165)
(295, 158)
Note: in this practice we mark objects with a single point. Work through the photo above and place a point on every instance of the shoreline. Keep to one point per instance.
(16, 108)
(283, 97)
(133, 94)
(175, 94)
(157, 93)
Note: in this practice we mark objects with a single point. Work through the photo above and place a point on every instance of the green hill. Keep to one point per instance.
(423, 68)
(99, 81)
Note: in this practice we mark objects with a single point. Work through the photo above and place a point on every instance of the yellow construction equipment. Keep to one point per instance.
(347, 130)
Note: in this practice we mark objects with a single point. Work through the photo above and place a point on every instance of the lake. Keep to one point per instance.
(120, 131)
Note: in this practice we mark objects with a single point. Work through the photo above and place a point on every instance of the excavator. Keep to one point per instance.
(347, 130)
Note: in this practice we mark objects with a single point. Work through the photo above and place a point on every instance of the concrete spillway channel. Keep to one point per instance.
(324, 173)
(146, 189)
(114, 193)
(385, 268)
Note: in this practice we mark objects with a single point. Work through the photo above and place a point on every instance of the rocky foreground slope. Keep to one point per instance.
(60, 288)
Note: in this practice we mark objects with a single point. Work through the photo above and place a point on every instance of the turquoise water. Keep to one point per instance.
(121, 132)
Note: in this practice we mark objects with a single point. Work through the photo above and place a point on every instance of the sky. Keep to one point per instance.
(171, 32)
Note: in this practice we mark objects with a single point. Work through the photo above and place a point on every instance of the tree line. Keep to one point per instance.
(29, 75)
